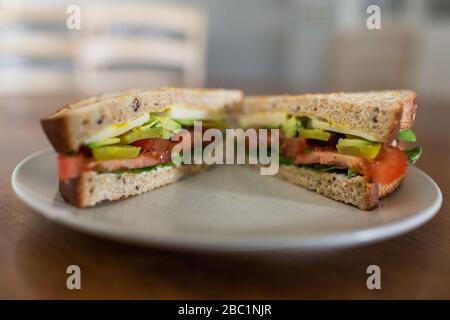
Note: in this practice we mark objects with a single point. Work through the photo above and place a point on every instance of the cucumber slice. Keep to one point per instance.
(262, 119)
(186, 122)
(219, 124)
(167, 123)
(103, 142)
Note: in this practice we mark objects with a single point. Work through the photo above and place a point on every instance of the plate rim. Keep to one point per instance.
(332, 240)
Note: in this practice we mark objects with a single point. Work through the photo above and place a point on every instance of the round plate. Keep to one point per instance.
(231, 208)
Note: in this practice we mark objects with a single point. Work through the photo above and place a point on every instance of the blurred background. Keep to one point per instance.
(261, 46)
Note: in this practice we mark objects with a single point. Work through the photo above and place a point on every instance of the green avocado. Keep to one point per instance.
(144, 132)
(289, 128)
(115, 152)
(316, 134)
(359, 148)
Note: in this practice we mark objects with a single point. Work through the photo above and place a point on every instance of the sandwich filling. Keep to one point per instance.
(141, 144)
(314, 144)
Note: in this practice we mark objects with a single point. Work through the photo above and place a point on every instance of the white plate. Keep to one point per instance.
(231, 208)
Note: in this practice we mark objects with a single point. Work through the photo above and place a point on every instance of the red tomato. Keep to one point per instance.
(389, 165)
(292, 146)
(142, 161)
(156, 147)
(70, 167)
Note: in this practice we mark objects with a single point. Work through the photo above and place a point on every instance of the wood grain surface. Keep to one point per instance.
(34, 252)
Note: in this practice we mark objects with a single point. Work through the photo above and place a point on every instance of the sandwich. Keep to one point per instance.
(115, 146)
(349, 147)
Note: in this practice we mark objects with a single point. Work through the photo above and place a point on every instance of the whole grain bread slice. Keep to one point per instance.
(357, 191)
(380, 114)
(92, 187)
(71, 125)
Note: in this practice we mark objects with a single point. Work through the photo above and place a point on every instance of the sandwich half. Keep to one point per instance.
(119, 145)
(346, 146)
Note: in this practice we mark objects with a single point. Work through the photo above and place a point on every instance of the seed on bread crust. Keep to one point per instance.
(136, 104)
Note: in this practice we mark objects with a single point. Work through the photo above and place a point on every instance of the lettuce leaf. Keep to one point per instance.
(283, 160)
(352, 173)
(407, 135)
(413, 155)
(145, 169)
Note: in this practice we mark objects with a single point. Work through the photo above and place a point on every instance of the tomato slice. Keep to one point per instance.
(292, 146)
(389, 165)
(70, 167)
(142, 161)
(158, 148)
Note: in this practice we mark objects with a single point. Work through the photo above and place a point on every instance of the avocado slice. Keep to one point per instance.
(316, 134)
(289, 128)
(115, 152)
(359, 148)
(145, 132)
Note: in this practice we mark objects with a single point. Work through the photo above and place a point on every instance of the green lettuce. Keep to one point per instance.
(145, 169)
(413, 154)
(407, 135)
(350, 173)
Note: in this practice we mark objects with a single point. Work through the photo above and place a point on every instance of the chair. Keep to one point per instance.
(140, 45)
(35, 52)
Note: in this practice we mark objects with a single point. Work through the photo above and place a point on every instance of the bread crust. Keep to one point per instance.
(92, 188)
(357, 191)
(409, 103)
(387, 189)
(380, 114)
(71, 125)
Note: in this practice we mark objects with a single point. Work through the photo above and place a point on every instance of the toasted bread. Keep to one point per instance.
(91, 187)
(379, 114)
(71, 125)
(357, 191)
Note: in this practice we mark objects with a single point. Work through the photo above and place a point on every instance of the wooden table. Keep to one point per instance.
(34, 252)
